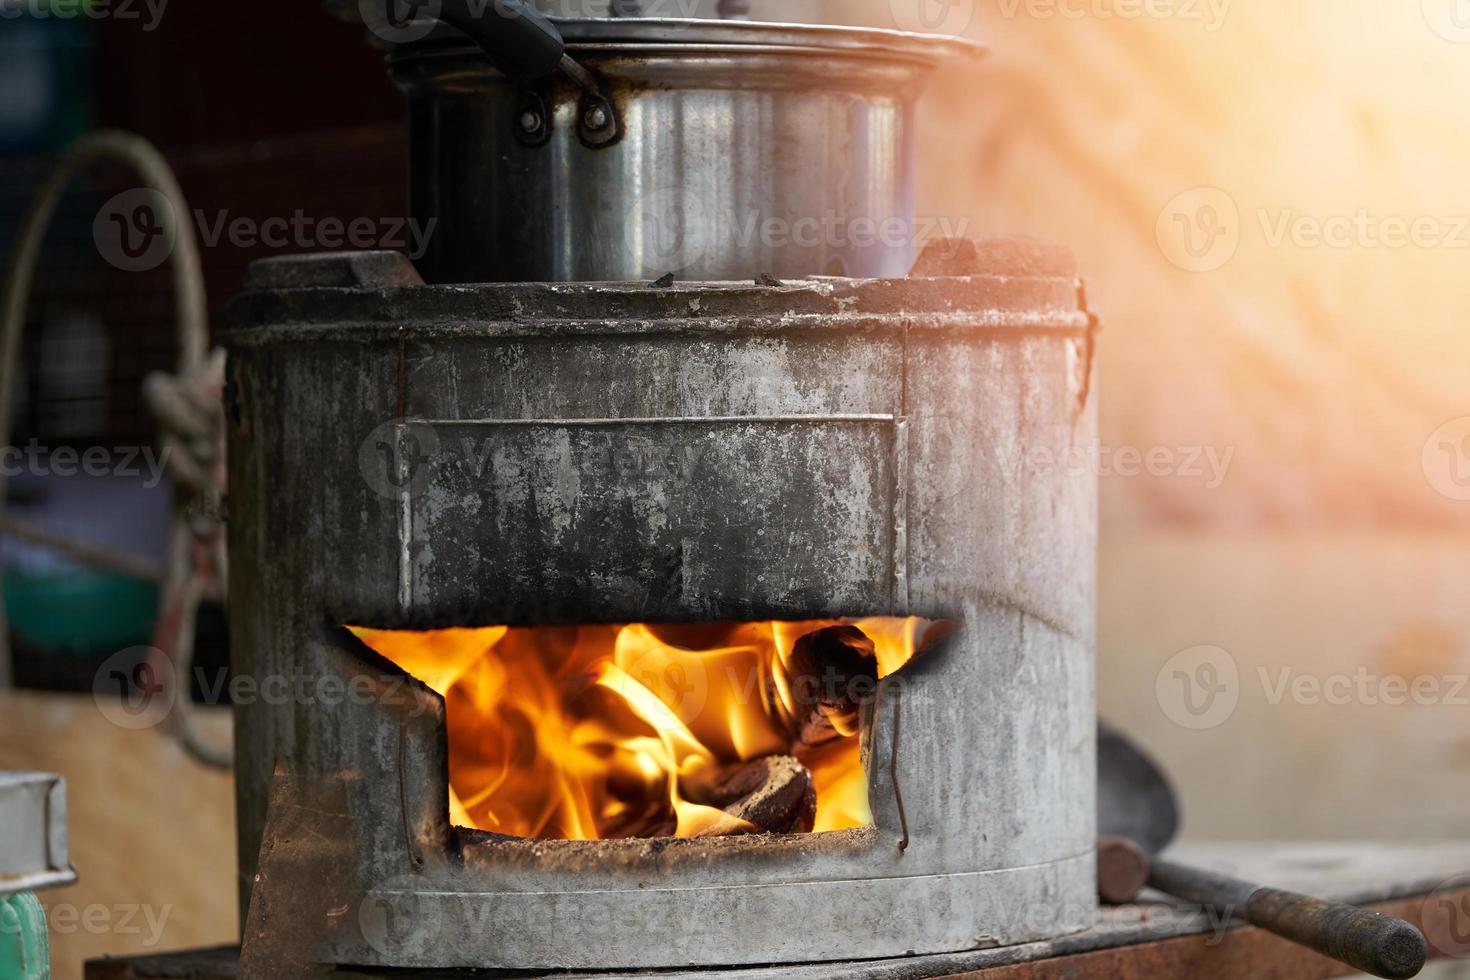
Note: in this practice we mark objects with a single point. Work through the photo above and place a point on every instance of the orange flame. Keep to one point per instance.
(594, 732)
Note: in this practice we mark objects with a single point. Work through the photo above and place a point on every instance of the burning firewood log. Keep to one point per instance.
(831, 673)
(773, 794)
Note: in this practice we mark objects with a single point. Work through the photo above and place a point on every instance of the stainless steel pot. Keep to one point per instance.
(736, 149)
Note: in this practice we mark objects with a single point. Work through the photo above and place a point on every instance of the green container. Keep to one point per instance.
(80, 612)
(25, 946)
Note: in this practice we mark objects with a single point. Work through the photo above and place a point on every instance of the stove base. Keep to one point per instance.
(1428, 885)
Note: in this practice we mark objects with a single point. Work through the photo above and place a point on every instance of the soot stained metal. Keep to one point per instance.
(407, 457)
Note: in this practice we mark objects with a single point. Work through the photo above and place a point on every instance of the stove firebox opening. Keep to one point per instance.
(657, 730)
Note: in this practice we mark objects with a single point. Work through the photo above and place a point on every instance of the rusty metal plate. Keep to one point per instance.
(538, 521)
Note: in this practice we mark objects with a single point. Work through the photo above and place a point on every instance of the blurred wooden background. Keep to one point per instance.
(1329, 550)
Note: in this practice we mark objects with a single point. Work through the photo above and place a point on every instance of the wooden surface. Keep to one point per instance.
(152, 832)
(1244, 952)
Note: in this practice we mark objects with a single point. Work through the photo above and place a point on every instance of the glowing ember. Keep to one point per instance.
(593, 732)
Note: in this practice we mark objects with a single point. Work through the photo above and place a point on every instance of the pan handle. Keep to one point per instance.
(1368, 941)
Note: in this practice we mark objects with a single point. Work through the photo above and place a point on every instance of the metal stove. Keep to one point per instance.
(703, 453)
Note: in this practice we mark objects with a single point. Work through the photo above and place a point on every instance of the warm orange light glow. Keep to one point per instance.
(593, 732)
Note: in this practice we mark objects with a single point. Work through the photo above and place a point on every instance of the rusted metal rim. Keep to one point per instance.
(658, 35)
(1028, 288)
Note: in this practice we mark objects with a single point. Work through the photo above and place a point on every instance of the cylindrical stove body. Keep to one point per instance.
(745, 149)
(614, 453)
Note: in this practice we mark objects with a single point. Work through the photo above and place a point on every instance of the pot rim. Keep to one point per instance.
(693, 36)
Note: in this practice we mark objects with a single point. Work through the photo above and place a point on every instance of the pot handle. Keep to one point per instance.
(525, 45)
(517, 37)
